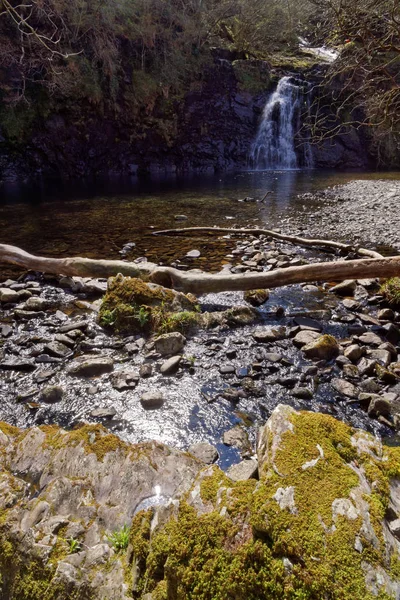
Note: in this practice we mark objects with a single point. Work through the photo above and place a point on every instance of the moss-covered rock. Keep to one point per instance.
(321, 523)
(391, 291)
(323, 348)
(131, 305)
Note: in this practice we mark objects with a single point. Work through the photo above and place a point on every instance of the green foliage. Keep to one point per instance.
(74, 545)
(391, 291)
(120, 539)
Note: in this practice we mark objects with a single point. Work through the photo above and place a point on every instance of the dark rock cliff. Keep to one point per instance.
(210, 129)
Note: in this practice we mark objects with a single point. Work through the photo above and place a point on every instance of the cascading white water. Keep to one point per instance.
(274, 146)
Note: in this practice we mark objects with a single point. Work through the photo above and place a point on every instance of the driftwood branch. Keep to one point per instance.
(201, 283)
(292, 239)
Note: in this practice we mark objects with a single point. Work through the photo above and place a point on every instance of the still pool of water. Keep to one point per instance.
(97, 218)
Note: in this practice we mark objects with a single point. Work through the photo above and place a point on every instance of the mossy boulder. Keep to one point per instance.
(325, 347)
(320, 523)
(134, 306)
(391, 291)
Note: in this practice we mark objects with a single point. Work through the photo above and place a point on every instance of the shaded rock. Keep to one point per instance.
(170, 366)
(302, 392)
(204, 452)
(366, 366)
(57, 349)
(90, 366)
(345, 288)
(53, 393)
(17, 364)
(152, 399)
(379, 405)
(256, 297)
(236, 437)
(382, 357)
(146, 370)
(247, 469)
(6, 331)
(307, 323)
(386, 314)
(323, 348)
(169, 343)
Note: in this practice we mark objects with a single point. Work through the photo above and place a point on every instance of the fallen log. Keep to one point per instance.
(201, 283)
(292, 239)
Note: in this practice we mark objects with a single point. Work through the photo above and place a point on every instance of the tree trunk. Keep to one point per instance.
(201, 283)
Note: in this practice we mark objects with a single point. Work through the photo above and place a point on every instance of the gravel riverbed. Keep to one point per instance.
(361, 212)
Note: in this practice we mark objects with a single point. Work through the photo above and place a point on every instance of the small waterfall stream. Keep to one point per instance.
(274, 146)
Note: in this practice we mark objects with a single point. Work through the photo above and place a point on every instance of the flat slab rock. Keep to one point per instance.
(152, 399)
(264, 335)
(90, 366)
(247, 469)
(204, 452)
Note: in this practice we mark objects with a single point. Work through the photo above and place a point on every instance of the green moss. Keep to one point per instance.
(132, 305)
(94, 438)
(9, 430)
(237, 553)
(391, 291)
(252, 75)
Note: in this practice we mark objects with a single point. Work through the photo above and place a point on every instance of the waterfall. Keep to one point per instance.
(274, 146)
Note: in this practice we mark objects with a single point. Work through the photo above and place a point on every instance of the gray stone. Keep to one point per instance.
(8, 296)
(36, 304)
(303, 338)
(370, 339)
(345, 388)
(236, 437)
(366, 366)
(153, 399)
(193, 254)
(103, 413)
(204, 452)
(51, 394)
(306, 323)
(247, 469)
(124, 380)
(265, 335)
(57, 349)
(170, 366)
(91, 366)
(6, 330)
(383, 357)
(169, 343)
(354, 352)
(227, 369)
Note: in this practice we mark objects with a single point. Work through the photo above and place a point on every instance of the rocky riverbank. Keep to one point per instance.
(361, 212)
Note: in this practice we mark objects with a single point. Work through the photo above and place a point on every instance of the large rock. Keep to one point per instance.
(169, 343)
(265, 335)
(324, 347)
(88, 484)
(91, 366)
